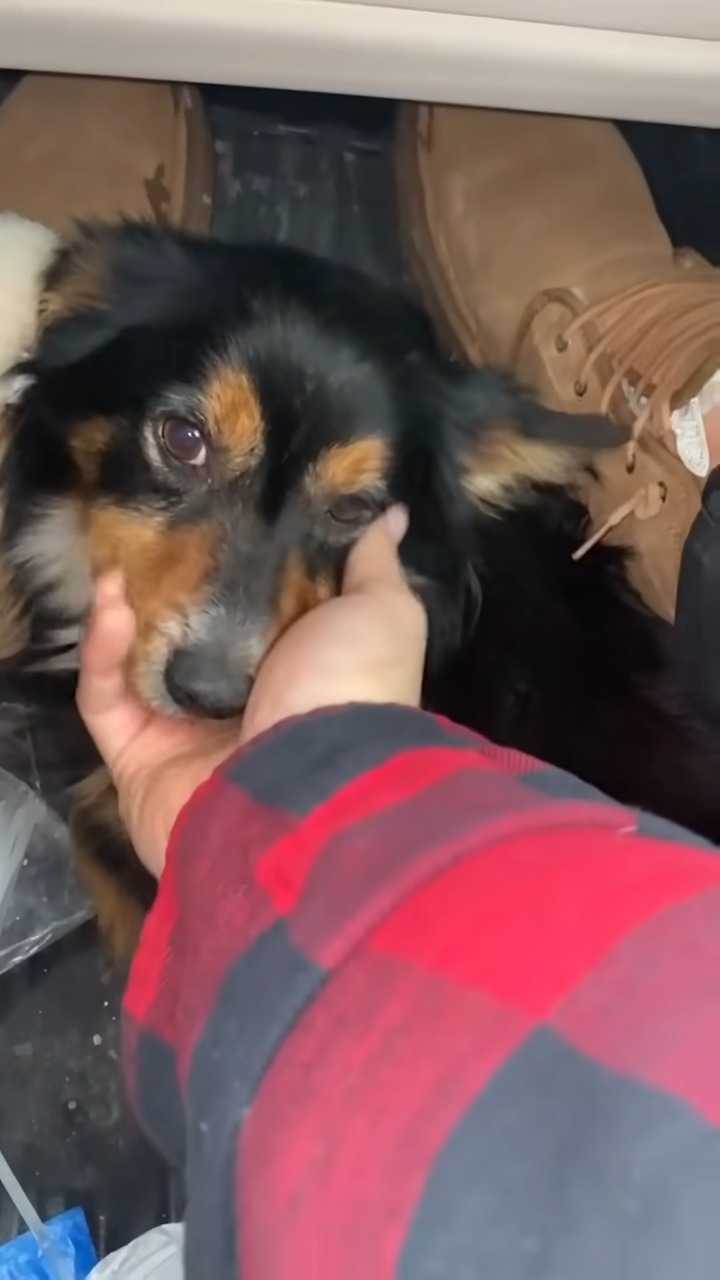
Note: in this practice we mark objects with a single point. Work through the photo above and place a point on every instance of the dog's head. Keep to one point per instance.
(221, 423)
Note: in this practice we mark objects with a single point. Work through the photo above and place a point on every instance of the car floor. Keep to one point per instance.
(317, 172)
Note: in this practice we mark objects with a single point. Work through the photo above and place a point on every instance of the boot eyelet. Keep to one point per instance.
(580, 389)
(561, 343)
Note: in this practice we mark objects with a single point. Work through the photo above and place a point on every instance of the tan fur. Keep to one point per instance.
(233, 415)
(95, 818)
(348, 468)
(81, 285)
(299, 593)
(166, 571)
(14, 623)
(88, 443)
(505, 462)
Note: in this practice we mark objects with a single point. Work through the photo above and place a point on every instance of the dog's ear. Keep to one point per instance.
(504, 441)
(111, 279)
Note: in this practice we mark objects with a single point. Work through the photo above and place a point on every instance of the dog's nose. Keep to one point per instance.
(207, 682)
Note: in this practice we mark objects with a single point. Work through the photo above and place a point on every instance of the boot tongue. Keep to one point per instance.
(695, 426)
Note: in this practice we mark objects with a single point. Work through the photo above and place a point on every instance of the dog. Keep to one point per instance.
(220, 423)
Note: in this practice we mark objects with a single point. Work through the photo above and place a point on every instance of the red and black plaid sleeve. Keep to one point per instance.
(413, 1006)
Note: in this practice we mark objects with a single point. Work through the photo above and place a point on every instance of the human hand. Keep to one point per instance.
(156, 762)
(367, 645)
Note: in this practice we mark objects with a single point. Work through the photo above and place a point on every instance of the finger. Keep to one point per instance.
(395, 523)
(110, 711)
(374, 560)
(110, 631)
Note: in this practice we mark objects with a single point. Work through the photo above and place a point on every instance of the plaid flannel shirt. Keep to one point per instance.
(410, 1005)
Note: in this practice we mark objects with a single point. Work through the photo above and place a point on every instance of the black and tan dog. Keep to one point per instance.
(220, 423)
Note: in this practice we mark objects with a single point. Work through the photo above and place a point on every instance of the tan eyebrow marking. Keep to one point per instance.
(233, 413)
(345, 468)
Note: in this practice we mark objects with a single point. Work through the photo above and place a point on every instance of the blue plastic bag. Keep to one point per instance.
(21, 1258)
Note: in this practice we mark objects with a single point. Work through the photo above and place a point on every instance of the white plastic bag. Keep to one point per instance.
(158, 1255)
(40, 897)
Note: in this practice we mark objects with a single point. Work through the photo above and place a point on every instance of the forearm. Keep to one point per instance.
(377, 939)
(239, 861)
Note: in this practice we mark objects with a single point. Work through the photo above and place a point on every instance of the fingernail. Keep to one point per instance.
(396, 520)
(109, 589)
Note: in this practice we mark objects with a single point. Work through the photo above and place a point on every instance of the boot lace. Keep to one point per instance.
(653, 344)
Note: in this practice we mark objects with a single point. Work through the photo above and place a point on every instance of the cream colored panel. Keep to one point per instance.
(370, 49)
(693, 18)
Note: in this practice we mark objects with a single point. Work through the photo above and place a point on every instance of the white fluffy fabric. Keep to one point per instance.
(158, 1255)
(26, 250)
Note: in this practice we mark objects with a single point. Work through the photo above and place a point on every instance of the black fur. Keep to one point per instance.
(568, 665)
(557, 658)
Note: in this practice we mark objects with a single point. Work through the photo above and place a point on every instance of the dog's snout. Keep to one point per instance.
(207, 681)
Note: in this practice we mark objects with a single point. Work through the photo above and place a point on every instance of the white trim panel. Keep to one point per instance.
(371, 49)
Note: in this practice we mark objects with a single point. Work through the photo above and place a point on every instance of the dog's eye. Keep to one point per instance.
(183, 440)
(352, 508)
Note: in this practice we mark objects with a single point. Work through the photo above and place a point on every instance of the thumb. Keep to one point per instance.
(374, 560)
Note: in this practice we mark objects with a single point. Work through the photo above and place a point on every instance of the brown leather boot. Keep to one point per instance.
(74, 147)
(539, 249)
